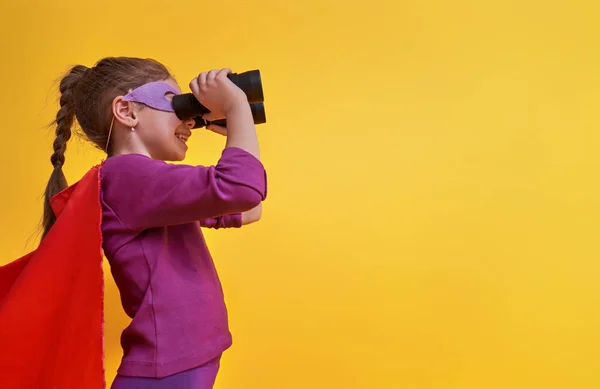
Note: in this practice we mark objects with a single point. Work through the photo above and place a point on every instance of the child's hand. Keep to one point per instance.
(217, 93)
(217, 129)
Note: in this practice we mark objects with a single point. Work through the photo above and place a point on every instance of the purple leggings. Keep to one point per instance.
(201, 377)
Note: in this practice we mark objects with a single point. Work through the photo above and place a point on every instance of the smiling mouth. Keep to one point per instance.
(182, 137)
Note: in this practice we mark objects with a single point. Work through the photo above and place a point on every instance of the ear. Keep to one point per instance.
(124, 112)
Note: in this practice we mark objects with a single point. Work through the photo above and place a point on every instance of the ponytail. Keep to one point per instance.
(63, 121)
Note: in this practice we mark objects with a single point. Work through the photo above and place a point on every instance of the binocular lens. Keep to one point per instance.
(186, 105)
(251, 84)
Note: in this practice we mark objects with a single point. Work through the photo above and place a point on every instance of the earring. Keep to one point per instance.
(132, 129)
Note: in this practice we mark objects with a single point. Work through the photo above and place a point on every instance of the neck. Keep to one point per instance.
(129, 150)
(128, 143)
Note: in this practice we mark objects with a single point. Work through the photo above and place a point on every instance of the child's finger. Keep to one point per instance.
(217, 129)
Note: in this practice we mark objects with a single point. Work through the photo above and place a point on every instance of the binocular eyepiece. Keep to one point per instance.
(186, 105)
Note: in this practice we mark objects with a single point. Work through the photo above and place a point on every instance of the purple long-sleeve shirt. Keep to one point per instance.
(152, 218)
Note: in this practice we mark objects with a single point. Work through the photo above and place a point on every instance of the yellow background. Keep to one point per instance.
(434, 204)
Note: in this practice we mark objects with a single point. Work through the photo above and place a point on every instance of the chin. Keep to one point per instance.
(177, 157)
(171, 152)
(180, 154)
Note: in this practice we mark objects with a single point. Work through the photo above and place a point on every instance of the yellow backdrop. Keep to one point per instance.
(433, 210)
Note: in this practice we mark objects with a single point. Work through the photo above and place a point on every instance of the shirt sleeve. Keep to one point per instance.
(225, 221)
(146, 193)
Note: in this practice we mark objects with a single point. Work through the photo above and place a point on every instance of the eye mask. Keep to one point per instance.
(153, 94)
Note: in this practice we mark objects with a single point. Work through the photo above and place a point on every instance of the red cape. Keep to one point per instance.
(51, 300)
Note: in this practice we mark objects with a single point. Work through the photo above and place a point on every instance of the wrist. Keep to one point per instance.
(239, 104)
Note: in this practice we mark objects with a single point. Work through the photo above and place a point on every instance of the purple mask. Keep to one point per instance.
(153, 94)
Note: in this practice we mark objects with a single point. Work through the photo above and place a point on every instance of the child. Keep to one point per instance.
(152, 211)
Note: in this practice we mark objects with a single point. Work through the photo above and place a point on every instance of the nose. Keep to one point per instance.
(190, 123)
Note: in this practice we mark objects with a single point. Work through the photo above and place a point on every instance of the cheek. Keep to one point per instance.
(164, 124)
(170, 122)
(174, 122)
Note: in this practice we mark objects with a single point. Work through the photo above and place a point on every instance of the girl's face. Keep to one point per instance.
(162, 134)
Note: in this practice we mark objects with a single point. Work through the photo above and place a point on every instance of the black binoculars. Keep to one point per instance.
(186, 105)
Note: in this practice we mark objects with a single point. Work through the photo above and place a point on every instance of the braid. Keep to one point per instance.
(63, 121)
